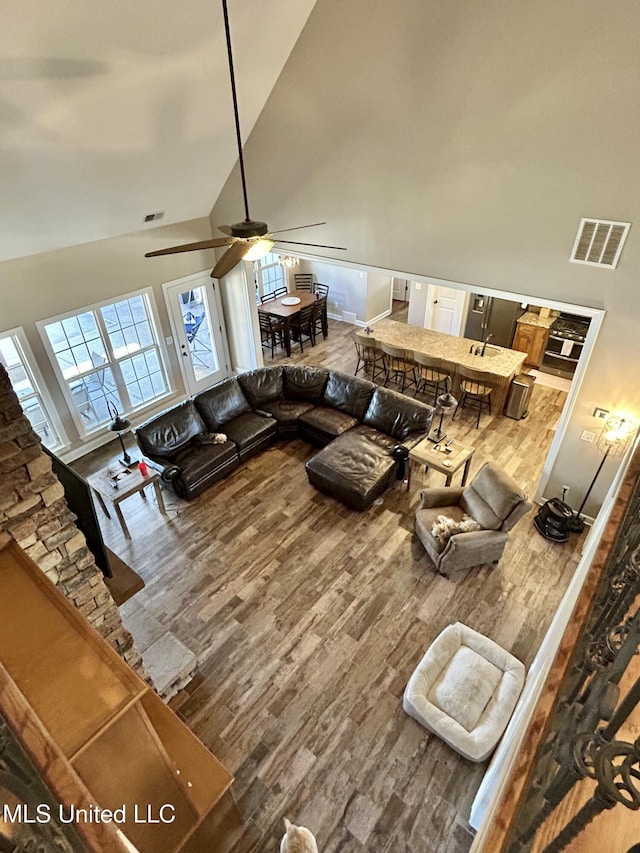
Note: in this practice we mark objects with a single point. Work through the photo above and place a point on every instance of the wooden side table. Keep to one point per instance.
(127, 484)
(427, 454)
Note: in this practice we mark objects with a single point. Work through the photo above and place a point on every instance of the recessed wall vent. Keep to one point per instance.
(151, 217)
(599, 242)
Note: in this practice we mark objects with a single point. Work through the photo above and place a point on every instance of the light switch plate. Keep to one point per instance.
(418, 285)
(601, 414)
(585, 435)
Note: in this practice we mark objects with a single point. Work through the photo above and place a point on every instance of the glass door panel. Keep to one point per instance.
(196, 322)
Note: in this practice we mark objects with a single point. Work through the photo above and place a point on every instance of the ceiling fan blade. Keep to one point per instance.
(317, 245)
(226, 229)
(216, 243)
(297, 228)
(231, 257)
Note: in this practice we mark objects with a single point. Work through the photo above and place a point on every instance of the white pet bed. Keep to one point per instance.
(465, 689)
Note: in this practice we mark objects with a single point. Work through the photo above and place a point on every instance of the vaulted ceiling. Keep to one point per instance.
(113, 110)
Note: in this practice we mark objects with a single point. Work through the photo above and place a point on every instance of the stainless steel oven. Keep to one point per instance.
(564, 345)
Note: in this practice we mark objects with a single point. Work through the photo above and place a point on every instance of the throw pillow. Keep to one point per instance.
(444, 527)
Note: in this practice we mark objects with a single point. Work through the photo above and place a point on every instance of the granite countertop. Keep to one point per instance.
(532, 318)
(497, 360)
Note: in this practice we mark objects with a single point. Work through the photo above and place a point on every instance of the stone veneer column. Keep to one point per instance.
(33, 511)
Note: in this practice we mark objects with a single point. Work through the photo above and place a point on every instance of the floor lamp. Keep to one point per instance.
(612, 441)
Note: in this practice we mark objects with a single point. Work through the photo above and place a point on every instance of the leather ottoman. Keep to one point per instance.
(356, 468)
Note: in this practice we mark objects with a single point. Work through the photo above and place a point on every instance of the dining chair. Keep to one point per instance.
(303, 281)
(320, 323)
(302, 326)
(267, 297)
(398, 366)
(281, 291)
(271, 332)
(322, 289)
(475, 390)
(431, 373)
(369, 356)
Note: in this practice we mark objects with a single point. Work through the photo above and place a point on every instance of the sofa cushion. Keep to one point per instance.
(397, 415)
(221, 403)
(491, 497)
(286, 413)
(323, 424)
(262, 386)
(166, 434)
(304, 383)
(250, 430)
(427, 518)
(348, 394)
(201, 462)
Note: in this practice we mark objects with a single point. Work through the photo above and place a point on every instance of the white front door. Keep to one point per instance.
(198, 333)
(445, 309)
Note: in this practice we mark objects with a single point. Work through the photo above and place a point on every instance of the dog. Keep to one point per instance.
(297, 839)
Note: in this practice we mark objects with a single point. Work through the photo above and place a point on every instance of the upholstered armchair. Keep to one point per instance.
(476, 524)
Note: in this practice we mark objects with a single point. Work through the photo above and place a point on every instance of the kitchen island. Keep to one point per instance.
(503, 364)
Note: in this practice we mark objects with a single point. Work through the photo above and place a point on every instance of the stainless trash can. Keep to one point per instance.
(519, 393)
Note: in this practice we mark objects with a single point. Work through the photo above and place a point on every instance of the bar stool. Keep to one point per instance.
(431, 373)
(475, 389)
(397, 363)
(369, 356)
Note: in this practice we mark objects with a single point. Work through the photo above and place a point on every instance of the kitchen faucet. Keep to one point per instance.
(484, 343)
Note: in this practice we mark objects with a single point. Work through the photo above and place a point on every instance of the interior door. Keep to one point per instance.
(445, 309)
(198, 331)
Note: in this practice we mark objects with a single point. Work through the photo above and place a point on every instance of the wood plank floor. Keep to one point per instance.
(308, 619)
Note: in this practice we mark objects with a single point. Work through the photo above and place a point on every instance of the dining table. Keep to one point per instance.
(285, 307)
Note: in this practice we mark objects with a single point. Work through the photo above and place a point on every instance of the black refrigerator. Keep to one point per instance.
(489, 315)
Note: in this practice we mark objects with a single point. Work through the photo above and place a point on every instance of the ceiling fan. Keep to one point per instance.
(249, 239)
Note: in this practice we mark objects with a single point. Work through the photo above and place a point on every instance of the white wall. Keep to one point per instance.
(379, 287)
(347, 288)
(464, 142)
(237, 292)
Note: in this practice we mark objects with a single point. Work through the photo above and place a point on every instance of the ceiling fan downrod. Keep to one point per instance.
(235, 111)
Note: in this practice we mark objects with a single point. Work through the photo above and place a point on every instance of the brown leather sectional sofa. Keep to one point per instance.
(358, 424)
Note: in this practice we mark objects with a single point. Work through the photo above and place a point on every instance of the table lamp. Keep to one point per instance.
(444, 402)
(119, 425)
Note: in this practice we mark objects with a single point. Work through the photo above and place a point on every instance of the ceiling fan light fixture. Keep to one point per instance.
(258, 250)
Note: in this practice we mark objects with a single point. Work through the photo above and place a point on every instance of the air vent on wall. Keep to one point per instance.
(599, 242)
(150, 217)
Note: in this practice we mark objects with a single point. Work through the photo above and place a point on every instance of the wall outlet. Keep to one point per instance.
(585, 435)
(168, 340)
(566, 490)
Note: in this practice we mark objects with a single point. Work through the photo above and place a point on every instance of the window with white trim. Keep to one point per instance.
(25, 378)
(269, 275)
(107, 355)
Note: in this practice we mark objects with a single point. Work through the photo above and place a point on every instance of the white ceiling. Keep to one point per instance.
(112, 110)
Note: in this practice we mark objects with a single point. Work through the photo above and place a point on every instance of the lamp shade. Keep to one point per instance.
(615, 435)
(446, 400)
(120, 424)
